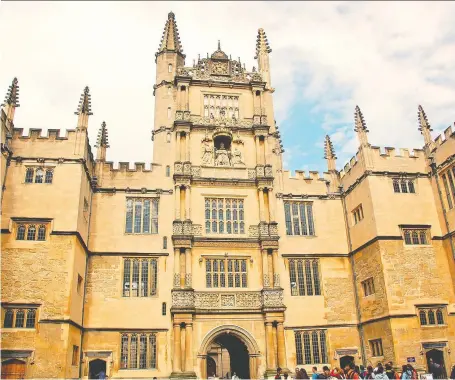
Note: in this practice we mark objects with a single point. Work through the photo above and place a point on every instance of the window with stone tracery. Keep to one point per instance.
(403, 186)
(19, 318)
(138, 351)
(140, 277)
(221, 106)
(448, 180)
(141, 216)
(224, 216)
(431, 316)
(31, 232)
(299, 218)
(376, 347)
(415, 236)
(311, 347)
(304, 277)
(225, 273)
(368, 287)
(39, 175)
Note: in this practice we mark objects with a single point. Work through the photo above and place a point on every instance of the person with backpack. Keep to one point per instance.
(349, 370)
(380, 375)
(389, 371)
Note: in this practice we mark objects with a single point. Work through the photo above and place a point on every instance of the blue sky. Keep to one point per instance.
(387, 57)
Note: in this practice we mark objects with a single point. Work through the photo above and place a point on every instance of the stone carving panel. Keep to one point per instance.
(249, 300)
(183, 299)
(206, 300)
(227, 300)
(273, 298)
(220, 300)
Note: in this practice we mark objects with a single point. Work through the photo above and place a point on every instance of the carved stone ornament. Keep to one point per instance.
(273, 298)
(182, 298)
(198, 120)
(207, 153)
(221, 300)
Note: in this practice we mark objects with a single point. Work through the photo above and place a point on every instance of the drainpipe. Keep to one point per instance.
(85, 279)
(354, 278)
(434, 172)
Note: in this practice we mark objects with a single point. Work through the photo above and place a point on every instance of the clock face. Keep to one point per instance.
(219, 68)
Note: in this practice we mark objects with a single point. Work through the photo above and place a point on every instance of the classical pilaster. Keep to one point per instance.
(189, 347)
(280, 345)
(188, 202)
(261, 205)
(177, 362)
(187, 98)
(177, 146)
(188, 146)
(176, 267)
(257, 146)
(177, 202)
(265, 270)
(276, 275)
(188, 274)
(271, 363)
(271, 205)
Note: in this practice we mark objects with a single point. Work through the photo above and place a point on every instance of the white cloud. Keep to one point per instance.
(387, 57)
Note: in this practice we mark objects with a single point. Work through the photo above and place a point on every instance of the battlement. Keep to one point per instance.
(349, 165)
(36, 133)
(311, 183)
(447, 134)
(124, 167)
(312, 175)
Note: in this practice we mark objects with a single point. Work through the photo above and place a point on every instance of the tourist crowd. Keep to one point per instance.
(380, 372)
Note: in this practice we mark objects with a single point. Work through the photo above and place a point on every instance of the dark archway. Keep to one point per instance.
(211, 367)
(344, 360)
(238, 352)
(435, 364)
(13, 369)
(95, 368)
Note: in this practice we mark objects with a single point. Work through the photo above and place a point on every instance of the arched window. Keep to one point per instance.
(309, 282)
(39, 175)
(20, 232)
(163, 308)
(165, 242)
(143, 351)
(415, 237)
(258, 93)
(307, 347)
(411, 187)
(423, 318)
(20, 317)
(317, 287)
(404, 187)
(8, 321)
(31, 317)
(396, 186)
(49, 176)
(423, 237)
(323, 346)
(315, 341)
(29, 175)
(133, 354)
(168, 171)
(31, 232)
(169, 68)
(168, 137)
(168, 112)
(439, 317)
(124, 352)
(169, 90)
(42, 232)
(152, 340)
(407, 237)
(431, 319)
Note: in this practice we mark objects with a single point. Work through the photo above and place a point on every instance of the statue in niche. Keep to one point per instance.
(237, 157)
(207, 153)
(222, 157)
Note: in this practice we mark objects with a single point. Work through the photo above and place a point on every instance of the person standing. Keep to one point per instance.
(278, 373)
(315, 373)
(452, 373)
(349, 371)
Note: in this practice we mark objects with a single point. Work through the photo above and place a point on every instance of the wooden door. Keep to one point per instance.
(13, 369)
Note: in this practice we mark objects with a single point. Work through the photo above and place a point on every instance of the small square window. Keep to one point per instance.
(376, 347)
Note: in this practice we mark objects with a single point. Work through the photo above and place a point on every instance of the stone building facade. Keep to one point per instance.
(217, 260)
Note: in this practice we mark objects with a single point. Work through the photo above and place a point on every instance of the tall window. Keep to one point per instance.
(225, 273)
(168, 112)
(357, 214)
(311, 347)
(448, 176)
(141, 215)
(376, 347)
(452, 181)
(221, 106)
(140, 277)
(20, 318)
(431, 316)
(224, 216)
(30, 232)
(39, 175)
(368, 286)
(138, 351)
(168, 171)
(403, 186)
(299, 218)
(304, 277)
(415, 236)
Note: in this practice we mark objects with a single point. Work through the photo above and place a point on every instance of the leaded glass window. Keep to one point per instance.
(20, 232)
(446, 188)
(138, 351)
(8, 321)
(431, 316)
(217, 106)
(314, 347)
(31, 317)
(218, 270)
(20, 319)
(41, 232)
(39, 174)
(304, 277)
(299, 218)
(49, 176)
(224, 216)
(31, 232)
(29, 174)
(140, 277)
(415, 236)
(403, 186)
(141, 216)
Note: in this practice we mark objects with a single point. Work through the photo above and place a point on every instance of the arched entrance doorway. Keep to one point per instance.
(344, 360)
(13, 369)
(240, 353)
(435, 364)
(95, 368)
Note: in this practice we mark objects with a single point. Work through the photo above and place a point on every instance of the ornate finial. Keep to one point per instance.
(102, 139)
(329, 152)
(170, 40)
(423, 120)
(12, 95)
(262, 44)
(85, 105)
(219, 45)
(359, 121)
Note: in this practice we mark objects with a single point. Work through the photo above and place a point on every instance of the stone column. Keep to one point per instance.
(187, 202)
(177, 364)
(188, 274)
(271, 364)
(182, 148)
(187, 98)
(265, 270)
(271, 206)
(188, 147)
(256, 144)
(261, 205)
(176, 267)
(276, 281)
(280, 345)
(177, 202)
(177, 146)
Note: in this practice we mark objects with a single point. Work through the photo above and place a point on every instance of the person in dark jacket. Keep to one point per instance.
(452, 373)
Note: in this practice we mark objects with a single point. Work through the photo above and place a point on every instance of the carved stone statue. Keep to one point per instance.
(222, 157)
(237, 157)
(207, 153)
